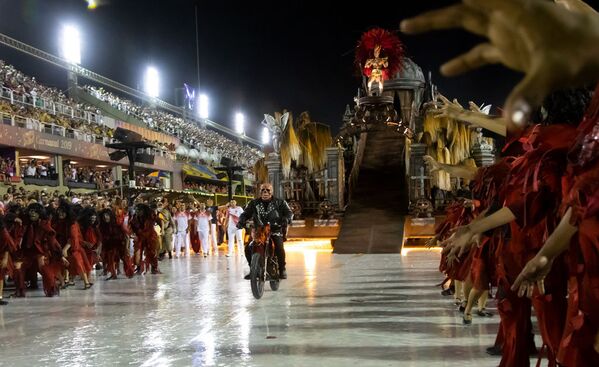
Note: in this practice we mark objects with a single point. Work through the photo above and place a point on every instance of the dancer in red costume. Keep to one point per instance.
(115, 244)
(533, 193)
(7, 246)
(92, 239)
(485, 183)
(458, 214)
(578, 231)
(68, 234)
(118, 208)
(146, 238)
(14, 226)
(194, 237)
(543, 44)
(38, 249)
(486, 188)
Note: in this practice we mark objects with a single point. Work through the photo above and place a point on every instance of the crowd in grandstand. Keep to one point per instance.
(7, 169)
(189, 132)
(215, 189)
(142, 180)
(23, 85)
(103, 178)
(39, 169)
(25, 111)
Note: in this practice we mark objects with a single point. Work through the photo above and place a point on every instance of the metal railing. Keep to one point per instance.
(51, 128)
(49, 106)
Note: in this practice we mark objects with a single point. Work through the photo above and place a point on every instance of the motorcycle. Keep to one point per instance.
(264, 266)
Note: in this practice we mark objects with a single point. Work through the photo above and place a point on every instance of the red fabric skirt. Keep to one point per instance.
(582, 323)
(479, 271)
(78, 262)
(461, 271)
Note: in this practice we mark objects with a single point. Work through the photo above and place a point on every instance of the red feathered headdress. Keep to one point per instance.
(391, 48)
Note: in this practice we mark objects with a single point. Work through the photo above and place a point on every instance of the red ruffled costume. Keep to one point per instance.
(115, 246)
(39, 239)
(146, 239)
(582, 323)
(533, 193)
(71, 233)
(7, 244)
(486, 189)
(92, 236)
(456, 215)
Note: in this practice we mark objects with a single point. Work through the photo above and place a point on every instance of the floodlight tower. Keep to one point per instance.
(70, 45)
(152, 82)
(239, 123)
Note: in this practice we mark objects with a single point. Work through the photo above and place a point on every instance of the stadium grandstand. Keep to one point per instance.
(56, 139)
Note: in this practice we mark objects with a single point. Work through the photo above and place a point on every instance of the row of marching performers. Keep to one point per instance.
(66, 242)
(69, 240)
(531, 229)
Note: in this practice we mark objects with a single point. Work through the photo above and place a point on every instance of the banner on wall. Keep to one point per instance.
(16, 137)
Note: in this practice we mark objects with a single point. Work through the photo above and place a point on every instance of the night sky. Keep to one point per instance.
(255, 56)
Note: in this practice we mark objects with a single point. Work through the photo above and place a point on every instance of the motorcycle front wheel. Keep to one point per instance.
(257, 276)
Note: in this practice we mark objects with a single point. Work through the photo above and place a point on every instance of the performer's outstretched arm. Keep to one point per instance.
(536, 270)
(457, 170)
(463, 238)
(453, 110)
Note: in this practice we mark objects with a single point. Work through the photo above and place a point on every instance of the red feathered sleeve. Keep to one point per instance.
(583, 196)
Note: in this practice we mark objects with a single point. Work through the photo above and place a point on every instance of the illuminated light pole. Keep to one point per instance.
(70, 44)
(239, 123)
(152, 82)
(203, 106)
(70, 50)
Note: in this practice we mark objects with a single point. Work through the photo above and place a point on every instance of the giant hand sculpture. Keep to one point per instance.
(553, 46)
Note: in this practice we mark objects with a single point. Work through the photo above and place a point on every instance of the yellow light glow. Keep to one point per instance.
(38, 157)
(405, 251)
(92, 4)
(317, 244)
(310, 261)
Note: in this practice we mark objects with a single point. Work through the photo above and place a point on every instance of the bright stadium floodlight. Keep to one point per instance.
(70, 43)
(203, 106)
(151, 83)
(239, 122)
(265, 136)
